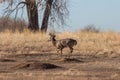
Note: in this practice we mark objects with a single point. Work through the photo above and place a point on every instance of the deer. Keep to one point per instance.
(63, 43)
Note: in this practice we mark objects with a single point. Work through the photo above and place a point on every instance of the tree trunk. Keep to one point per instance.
(32, 13)
(45, 20)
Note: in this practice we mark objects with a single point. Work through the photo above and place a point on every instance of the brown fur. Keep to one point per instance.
(63, 43)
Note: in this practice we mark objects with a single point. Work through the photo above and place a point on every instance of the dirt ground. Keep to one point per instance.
(49, 66)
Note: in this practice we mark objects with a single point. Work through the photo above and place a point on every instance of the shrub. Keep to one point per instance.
(90, 28)
(12, 25)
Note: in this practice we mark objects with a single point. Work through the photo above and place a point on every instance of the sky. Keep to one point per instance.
(103, 14)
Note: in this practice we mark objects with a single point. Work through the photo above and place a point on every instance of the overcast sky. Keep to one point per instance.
(104, 14)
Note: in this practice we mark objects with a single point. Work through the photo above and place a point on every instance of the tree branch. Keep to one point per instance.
(10, 11)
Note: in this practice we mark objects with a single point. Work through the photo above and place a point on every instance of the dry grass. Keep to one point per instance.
(84, 65)
(89, 43)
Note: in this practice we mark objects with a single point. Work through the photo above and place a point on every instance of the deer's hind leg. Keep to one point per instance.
(71, 50)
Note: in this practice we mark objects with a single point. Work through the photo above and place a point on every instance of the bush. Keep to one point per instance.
(12, 25)
(90, 28)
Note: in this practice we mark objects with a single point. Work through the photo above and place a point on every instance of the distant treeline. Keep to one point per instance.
(12, 24)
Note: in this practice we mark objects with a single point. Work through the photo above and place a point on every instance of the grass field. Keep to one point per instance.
(88, 43)
(92, 56)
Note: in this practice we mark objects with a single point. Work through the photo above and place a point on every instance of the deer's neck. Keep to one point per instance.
(54, 41)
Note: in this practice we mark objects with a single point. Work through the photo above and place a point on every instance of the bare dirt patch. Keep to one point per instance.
(71, 60)
(7, 60)
(51, 67)
(35, 65)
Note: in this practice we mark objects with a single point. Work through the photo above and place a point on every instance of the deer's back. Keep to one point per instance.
(66, 43)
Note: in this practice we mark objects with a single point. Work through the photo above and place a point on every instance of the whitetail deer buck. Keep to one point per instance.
(63, 43)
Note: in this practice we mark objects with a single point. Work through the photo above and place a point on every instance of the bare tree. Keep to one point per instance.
(46, 15)
(32, 12)
(55, 11)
